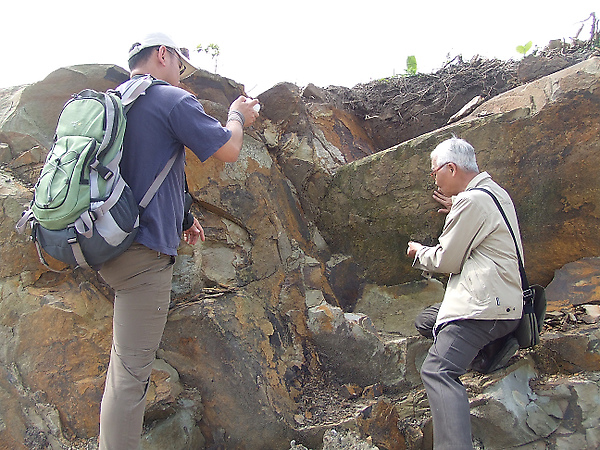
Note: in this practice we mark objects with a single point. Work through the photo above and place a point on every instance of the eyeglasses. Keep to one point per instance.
(174, 53)
(435, 171)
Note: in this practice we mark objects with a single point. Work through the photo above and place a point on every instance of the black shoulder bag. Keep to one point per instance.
(534, 296)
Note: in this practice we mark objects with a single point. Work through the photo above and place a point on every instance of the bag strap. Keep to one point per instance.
(134, 87)
(128, 92)
(524, 282)
(157, 182)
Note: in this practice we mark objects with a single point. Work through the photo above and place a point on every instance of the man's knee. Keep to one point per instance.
(425, 321)
(134, 364)
(423, 326)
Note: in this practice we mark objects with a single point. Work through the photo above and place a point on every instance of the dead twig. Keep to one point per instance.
(203, 295)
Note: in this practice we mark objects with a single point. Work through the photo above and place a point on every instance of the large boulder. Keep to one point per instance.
(310, 137)
(540, 141)
(519, 408)
(30, 112)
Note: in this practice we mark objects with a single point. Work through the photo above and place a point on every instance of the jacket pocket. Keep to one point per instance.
(476, 278)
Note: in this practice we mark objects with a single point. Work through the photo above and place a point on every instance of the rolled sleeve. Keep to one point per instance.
(198, 131)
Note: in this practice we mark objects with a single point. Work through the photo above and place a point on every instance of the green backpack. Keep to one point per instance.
(83, 212)
(77, 168)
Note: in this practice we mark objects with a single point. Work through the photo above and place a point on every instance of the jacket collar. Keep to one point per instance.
(479, 179)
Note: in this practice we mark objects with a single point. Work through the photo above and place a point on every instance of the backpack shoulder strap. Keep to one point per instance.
(133, 88)
(157, 182)
(130, 91)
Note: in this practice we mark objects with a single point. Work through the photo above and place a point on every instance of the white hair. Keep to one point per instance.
(457, 151)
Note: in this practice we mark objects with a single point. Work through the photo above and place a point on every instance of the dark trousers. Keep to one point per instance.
(455, 347)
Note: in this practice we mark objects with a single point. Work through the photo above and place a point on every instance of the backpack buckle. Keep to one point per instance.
(71, 236)
(102, 170)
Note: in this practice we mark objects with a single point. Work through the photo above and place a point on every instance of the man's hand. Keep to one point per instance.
(245, 106)
(413, 248)
(242, 107)
(444, 200)
(194, 232)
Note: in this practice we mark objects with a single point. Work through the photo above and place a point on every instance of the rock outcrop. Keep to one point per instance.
(293, 321)
(374, 206)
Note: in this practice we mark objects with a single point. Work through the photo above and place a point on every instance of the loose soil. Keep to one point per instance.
(400, 108)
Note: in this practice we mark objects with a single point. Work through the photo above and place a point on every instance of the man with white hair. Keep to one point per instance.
(160, 124)
(483, 301)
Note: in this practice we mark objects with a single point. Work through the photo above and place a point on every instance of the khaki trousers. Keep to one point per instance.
(141, 279)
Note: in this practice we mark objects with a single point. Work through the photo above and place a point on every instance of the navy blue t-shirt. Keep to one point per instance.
(160, 123)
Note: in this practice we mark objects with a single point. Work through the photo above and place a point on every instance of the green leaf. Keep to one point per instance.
(524, 48)
(411, 65)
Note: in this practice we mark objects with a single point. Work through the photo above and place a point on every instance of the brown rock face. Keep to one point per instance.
(575, 284)
(299, 285)
(377, 421)
(45, 100)
(243, 353)
(538, 141)
(310, 138)
(71, 369)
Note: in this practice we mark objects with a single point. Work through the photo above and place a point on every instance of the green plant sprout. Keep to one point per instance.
(212, 50)
(523, 49)
(411, 65)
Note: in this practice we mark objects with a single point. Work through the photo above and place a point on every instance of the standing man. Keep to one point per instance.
(483, 301)
(159, 125)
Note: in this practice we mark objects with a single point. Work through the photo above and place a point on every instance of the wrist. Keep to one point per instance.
(236, 116)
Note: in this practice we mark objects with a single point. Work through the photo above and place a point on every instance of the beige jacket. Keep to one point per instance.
(478, 252)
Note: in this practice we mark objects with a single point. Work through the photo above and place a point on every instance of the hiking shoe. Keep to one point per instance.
(508, 350)
(480, 364)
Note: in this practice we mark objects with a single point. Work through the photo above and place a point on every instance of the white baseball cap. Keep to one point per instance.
(157, 39)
